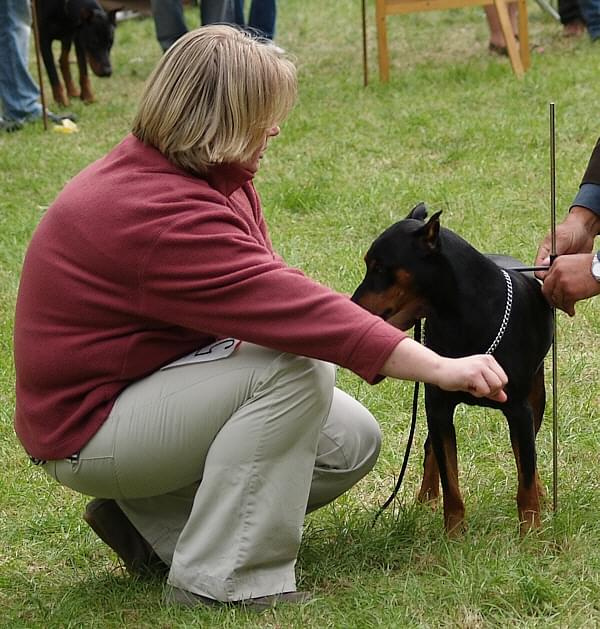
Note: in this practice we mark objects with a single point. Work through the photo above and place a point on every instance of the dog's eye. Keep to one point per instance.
(377, 268)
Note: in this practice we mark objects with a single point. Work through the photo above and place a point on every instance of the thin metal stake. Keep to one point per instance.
(36, 40)
(554, 352)
(364, 45)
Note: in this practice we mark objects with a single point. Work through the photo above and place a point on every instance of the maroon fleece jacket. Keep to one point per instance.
(137, 263)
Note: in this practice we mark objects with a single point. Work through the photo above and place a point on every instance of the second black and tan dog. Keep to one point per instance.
(87, 25)
(472, 305)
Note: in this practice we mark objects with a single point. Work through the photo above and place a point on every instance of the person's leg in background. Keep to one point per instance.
(169, 22)
(239, 12)
(262, 17)
(571, 18)
(22, 27)
(18, 92)
(497, 43)
(218, 12)
(590, 9)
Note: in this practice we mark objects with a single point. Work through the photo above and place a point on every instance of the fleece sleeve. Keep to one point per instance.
(588, 195)
(206, 272)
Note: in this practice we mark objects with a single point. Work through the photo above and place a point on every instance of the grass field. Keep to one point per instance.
(455, 129)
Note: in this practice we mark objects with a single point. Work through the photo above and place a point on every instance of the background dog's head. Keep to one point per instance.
(96, 34)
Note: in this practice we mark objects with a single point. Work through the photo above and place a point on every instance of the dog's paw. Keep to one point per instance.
(59, 95)
(529, 522)
(73, 92)
(429, 497)
(455, 525)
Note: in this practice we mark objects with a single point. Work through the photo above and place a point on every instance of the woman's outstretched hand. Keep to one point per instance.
(479, 375)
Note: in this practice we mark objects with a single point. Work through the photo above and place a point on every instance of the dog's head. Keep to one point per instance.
(400, 263)
(96, 34)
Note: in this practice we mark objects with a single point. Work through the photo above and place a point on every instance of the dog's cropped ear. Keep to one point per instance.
(430, 232)
(86, 14)
(419, 212)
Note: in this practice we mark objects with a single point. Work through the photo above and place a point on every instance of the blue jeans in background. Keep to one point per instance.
(19, 94)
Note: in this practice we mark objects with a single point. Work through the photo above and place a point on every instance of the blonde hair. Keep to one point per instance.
(213, 96)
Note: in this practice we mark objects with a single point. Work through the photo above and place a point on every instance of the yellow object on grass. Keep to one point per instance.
(67, 126)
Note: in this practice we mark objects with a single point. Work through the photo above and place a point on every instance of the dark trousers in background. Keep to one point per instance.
(261, 18)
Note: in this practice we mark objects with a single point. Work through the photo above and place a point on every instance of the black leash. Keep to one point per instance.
(525, 269)
(413, 424)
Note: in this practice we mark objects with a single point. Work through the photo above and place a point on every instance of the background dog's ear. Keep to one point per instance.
(86, 14)
(419, 212)
(430, 232)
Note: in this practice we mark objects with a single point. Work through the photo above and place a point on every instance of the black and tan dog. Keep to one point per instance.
(87, 25)
(472, 305)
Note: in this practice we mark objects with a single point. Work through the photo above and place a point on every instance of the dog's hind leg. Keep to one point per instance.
(537, 401)
(522, 438)
(65, 68)
(58, 93)
(440, 414)
(430, 485)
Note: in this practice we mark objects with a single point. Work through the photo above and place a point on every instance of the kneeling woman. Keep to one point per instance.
(206, 468)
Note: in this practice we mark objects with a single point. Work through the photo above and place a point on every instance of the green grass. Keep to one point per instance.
(453, 128)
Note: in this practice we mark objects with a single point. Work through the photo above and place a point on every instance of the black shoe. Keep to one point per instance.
(8, 126)
(112, 526)
(58, 118)
(185, 598)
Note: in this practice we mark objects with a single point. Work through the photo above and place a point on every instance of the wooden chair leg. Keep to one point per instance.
(518, 53)
(511, 42)
(524, 35)
(382, 47)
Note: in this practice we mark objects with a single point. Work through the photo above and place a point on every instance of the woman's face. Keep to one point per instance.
(254, 162)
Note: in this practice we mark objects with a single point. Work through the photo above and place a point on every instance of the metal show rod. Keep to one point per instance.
(554, 350)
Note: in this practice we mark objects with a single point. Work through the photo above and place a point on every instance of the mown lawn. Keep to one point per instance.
(455, 129)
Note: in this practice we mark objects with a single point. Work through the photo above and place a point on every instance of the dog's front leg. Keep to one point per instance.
(430, 485)
(440, 416)
(65, 68)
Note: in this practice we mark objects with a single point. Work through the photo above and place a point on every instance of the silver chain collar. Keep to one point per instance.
(506, 317)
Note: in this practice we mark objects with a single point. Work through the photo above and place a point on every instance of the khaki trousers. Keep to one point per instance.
(217, 463)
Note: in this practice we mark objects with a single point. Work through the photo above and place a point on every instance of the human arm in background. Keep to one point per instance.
(570, 277)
